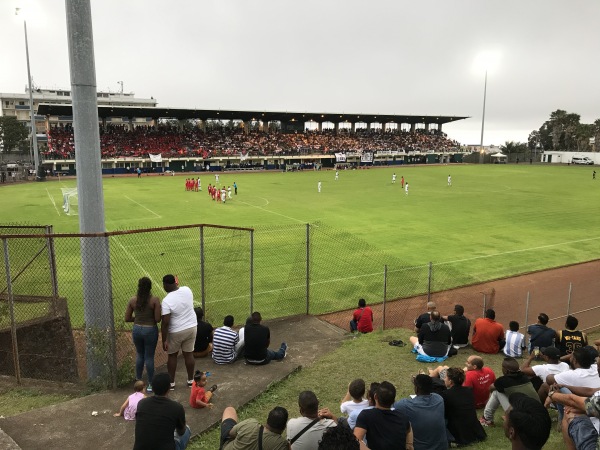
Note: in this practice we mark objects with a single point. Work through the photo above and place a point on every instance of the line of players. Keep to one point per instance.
(220, 195)
(193, 185)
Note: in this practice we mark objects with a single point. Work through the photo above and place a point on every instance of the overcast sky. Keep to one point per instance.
(352, 56)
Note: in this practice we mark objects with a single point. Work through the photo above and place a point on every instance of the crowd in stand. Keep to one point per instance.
(560, 372)
(171, 142)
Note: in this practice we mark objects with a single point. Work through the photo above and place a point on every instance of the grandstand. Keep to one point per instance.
(194, 140)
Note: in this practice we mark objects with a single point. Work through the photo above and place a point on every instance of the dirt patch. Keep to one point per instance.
(572, 288)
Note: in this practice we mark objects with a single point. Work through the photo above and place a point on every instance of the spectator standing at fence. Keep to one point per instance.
(570, 338)
(179, 326)
(540, 334)
(488, 335)
(362, 318)
(204, 335)
(461, 327)
(144, 311)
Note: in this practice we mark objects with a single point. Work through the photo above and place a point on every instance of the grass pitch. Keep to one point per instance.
(494, 221)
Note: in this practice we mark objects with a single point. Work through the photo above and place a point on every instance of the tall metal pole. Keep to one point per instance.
(36, 157)
(95, 251)
(11, 308)
(483, 119)
(251, 271)
(307, 268)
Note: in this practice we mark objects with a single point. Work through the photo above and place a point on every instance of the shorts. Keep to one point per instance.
(184, 340)
(226, 427)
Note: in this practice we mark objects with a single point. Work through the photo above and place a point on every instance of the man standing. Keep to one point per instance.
(488, 334)
(394, 178)
(158, 418)
(426, 412)
(319, 187)
(337, 175)
(257, 339)
(383, 427)
(449, 180)
(304, 433)
(362, 318)
(226, 343)
(235, 187)
(406, 188)
(247, 433)
(402, 182)
(178, 327)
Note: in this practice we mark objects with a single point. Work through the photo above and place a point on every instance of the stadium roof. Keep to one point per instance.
(204, 114)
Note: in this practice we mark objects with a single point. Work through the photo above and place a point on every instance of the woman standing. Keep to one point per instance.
(144, 311)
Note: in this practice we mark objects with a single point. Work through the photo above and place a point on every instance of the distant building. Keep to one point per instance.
(17, 105)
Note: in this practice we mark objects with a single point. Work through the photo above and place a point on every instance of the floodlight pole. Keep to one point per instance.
(483, 118)
(34, 141)
(95, 251)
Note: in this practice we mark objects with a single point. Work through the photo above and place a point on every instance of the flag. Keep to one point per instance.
(243, 157)
(155, 158)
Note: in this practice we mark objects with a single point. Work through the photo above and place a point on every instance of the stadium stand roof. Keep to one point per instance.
(204, 114)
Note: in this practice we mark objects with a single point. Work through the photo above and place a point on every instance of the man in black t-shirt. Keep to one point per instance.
(384, 428)
(425, 317)
(434, 338)
(204, 336)
(160, 421)
(461, 327)
(257, 338)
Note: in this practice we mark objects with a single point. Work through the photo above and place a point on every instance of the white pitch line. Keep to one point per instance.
(52, 200)
(272, 212)
(147, 209)
(136, 262)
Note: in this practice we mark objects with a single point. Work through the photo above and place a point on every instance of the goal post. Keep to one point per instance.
(70, 201)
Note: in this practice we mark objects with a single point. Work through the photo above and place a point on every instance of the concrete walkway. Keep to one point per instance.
(71, 425)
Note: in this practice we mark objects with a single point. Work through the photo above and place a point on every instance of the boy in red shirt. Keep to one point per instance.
(199, 398)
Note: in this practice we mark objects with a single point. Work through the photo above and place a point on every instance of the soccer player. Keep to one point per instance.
(199, 184)
(216, 178)
(319, 187)
(229, 192)
(337, 175)
(402, 182)
(449, 180)
(406, 188)
(394, 178)
(223, 194)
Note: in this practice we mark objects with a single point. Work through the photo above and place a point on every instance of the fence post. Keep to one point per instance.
(11, 307)
(307, 268)
(429, 284)
(52, 261)
(484, 304)
(526, 319)
(569, 299)
(202, 285)
(251, 271)
(384, 294)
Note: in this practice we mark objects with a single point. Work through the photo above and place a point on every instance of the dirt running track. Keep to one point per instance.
(548, 292)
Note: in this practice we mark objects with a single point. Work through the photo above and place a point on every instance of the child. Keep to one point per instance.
(129, 408)
(354, 397)
(199, 398)
(515, 341)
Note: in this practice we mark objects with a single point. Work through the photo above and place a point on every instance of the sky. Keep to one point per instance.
(348, 56)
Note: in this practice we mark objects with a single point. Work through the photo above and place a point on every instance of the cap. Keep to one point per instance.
(551, 352)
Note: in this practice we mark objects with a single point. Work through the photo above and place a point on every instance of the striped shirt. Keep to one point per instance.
(224, 341)
(514, 344)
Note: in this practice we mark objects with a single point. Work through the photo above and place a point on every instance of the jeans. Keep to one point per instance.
(353, 326)
(583, 433)
(276, 356)
(144, 339)
(181, 442)
(496, 399)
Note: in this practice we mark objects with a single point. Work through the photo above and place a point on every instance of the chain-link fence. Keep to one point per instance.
(61, 319)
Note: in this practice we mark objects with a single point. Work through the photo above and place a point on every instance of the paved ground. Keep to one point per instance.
(71, 425)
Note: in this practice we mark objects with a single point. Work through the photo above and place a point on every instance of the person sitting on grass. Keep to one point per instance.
(199, 397)
(353, 399)
(434, 338)
(527, 424)
(459, 409)
(247, 433)
(461, 327)
(340, 438)
(362, 318)
(539, 372)
(515, 341)
(304, 433)
(129, 408)
(488, 335)
(540, 334)
(370, 398)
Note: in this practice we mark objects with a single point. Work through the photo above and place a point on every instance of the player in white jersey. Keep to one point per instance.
(319, 186)
(449, 180)
(406, 189)
(394, 178)
(337, 175)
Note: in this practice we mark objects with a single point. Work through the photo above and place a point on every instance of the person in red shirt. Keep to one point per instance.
(488, 335)
(479, 378)
(362, 318)
(199, 398)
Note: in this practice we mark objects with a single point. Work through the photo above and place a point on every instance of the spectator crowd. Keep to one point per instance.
(171, 142)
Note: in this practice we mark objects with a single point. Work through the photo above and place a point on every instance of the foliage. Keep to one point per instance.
(511, 147)
(13, 134)
(563, 131)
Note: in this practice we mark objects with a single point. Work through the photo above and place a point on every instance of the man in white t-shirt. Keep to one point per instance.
(179, 326)
(353, 399)
(301, 437)
(553, 366)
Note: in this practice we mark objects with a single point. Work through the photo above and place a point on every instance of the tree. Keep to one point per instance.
(13, 134)
(511, 147)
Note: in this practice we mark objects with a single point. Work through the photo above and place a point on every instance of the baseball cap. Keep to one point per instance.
(551, 352)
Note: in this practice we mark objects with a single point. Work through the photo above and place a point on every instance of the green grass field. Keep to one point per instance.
(494, 221)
